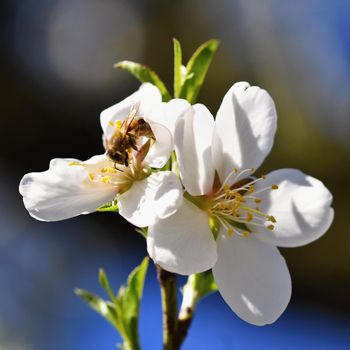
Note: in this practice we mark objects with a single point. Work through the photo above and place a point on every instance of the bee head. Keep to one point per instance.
(117, 157)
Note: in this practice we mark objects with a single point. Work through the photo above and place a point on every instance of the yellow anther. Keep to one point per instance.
(235, 170)
(92, 177)
(270, 227)
(257, 200)
(251, 189)
(245, 233)
(272, 219)
(274, 187)
(230, 232)
(227, 187)
(109, 170)
(118, 124)
(106, 179)
(249, 217)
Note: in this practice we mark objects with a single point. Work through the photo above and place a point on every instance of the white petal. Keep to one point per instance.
(301, 205)
(64, 191)
(160, 151)
(244, 130)
(192, 141)
(183, 243)
(157, 196)
(147, 96)
(167, 113)
(253, 278)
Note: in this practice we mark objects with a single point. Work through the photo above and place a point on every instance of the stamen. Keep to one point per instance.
(232, 205)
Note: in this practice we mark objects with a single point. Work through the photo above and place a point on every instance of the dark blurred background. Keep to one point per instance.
(57, 76)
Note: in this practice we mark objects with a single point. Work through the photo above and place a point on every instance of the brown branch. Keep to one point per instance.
(168, 288)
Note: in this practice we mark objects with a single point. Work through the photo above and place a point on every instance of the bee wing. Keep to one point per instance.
(129, 119)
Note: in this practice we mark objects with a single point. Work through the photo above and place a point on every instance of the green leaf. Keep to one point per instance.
(104, 282)
(145, 75)
(128, 301)
(197, 68)
(122, 311)
(109, 207)
(177, 68)
(143, 231)
(204, 284)
(105, 308)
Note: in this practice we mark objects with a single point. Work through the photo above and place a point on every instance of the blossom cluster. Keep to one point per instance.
(189, 178)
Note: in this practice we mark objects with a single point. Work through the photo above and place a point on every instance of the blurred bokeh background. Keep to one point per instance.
(56, 77)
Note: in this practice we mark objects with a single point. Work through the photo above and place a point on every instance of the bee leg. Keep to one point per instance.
(133, 144)
(115, 167)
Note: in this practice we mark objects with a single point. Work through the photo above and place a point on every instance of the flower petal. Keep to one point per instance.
(183, 243)
(167, 113)
(64, 191)
(192, 141)
(160, 151)
(301, 205)
(157, 196)
(147, 96)
(253, 278)
(244, 130)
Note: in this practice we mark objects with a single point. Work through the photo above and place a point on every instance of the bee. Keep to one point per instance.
(125, 138)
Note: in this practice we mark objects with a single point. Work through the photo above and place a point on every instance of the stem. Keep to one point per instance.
(189, 301)
(167, 282)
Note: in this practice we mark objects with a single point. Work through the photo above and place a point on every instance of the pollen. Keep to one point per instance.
(74, 163)
(106, 179)
(272, 219)
(270, 227)
(92, 176)
(109, 170)
(230, 232)
(249, 217)
(257, 200)
(274, 187)
(245, 233)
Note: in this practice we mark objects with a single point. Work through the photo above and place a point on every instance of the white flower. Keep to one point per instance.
(71, 187)
(284, 208)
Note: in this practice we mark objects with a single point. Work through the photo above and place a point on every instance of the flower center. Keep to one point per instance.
(236, 207)
(120, 176)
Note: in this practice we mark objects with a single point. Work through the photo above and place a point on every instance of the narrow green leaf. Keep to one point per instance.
(123, 311)
(109, 207)
(104, 308)
(143, 231)
(177, 68)
(204, 284)
(145, 75)
(104, 282)
(197, 68)
(128, 301)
